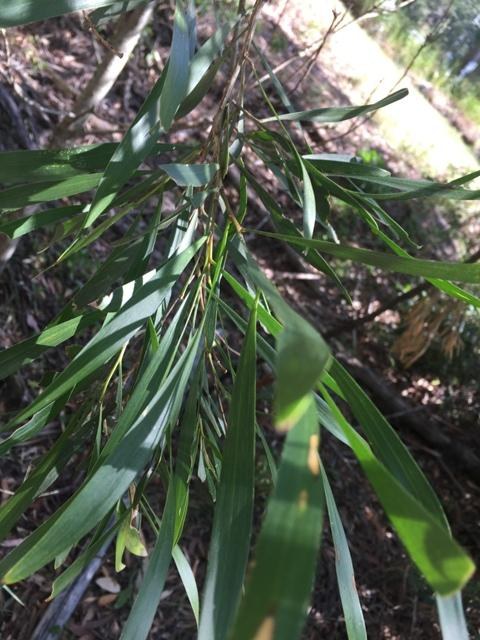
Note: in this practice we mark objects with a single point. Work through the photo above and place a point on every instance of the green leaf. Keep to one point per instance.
(188, 580)
(277, 85)
(71, 441)
(338, 165)
(443, 563)
(191, 175)
(137, 144)
(42, 165)
(309, 204)
(101, 539)
(278, 590)
(302, 354)
(287, 227)
(143, 610)
(185, 458)
(23, 195)
(129, 262)
(460, 271)
(128, 538)
(146, 299)
(447, 287)
(385, 442)
(202, 70)
(109, 480)
(17, 12)
(232, 524)
(352, 609)
(35, 424)
(28, 350)
(178, 73)
(267, 352)
(406, 189)
(21, 226)
(338, 114)
(149, 595)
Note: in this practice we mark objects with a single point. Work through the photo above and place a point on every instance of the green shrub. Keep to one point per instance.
(145, 394)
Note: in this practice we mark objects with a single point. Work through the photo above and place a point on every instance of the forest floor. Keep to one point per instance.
(350, 67)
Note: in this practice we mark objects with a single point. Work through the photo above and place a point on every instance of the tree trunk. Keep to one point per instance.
(127, 34)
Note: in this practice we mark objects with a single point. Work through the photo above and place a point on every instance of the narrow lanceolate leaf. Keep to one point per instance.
(345, 166)
(42, 165)
(109, 481)
(16, 12)
(302, 354)
(23, 195)
(202, 70)
(141, 138)
(278, 590)
(232, 524)
(146, 603)
(136, 145)
(127, 262)
(188, 580)
(143, 611)
(352, 609)
(443, 563)
(19, 227)
(24, 352)
(338, 114)
(459, 271)
(190, 175)
(405, 189)
(100, 540)
(46, 472)
(176, 81)
(385, 442)
(115, 333)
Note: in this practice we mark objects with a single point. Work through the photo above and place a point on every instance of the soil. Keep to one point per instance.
(42, 68)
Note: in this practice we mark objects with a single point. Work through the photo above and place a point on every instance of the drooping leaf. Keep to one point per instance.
(339, 114)
(111, 478)
(337, 165)
(119, 330)
(405, 189)
(23, 195)
(385, 442)
(232, 524)
(146, 603)
(24, 352)
(302, 354)
(278, 590)
(352, 609)
(440, 559)
(21, 226)
(178, 73)
(188, 580)
(460, 271)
